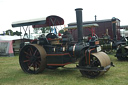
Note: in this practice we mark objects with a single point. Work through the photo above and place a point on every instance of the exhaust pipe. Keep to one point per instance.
(114, 28)
(79, 23)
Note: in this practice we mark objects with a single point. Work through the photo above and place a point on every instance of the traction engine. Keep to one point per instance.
(52, 52)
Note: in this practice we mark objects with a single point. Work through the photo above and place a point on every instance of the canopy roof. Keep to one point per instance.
(84, 26)
(93, 22)
(52, 20)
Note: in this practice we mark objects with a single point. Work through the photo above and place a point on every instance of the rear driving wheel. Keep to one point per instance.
(122, 53)
(32, 59)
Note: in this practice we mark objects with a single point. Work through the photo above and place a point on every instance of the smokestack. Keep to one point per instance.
(79, 23)
(114, 28)
(95, 17)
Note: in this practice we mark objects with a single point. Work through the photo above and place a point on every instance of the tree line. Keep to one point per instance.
(43, 30)
(10, 32)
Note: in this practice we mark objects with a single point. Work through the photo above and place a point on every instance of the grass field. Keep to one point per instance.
(11, 74)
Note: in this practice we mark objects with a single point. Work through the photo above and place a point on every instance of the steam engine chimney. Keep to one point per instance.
(114, 28)
(79, 23)
(95, 17)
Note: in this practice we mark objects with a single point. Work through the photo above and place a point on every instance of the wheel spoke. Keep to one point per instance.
(27, 56)
(34, 67)
(31, 49)
(35, 52)
(26, 61)
(38, 63)
(27, 53)
(30, 52)
(30, 66)
(29, 63)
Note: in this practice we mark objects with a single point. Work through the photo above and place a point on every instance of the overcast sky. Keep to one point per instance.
(16, 10)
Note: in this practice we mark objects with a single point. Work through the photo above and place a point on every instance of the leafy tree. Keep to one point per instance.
(43, 29)
(17, 33)
(61, 31)
(36, 30)
(9, 32)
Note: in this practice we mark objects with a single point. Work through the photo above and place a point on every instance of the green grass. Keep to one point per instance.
(11, 74)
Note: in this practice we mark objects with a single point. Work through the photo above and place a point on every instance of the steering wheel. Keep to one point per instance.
(51, 36)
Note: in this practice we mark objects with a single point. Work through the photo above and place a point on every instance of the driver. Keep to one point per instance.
(67, 34)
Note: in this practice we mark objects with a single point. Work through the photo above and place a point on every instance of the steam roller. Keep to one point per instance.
(50, 51)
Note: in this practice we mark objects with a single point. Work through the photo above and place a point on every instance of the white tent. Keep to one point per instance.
(6, 37)
(6, 45)
(6, 48)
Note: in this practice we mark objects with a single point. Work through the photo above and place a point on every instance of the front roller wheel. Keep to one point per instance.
(32, 59)
(97, 60)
